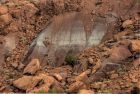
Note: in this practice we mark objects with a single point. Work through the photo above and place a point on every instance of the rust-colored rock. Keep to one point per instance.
(58, 77)
(123, 34)
(135, 45)
(45, 83)
(90, 56)
(30, 9)
(3, 10)
(40, 89)
(119, 53)
(84, 91)
(32, 67)
(26, 83)
(127, 24)
(48, 80)
(5, 19)
(83, 76)
(76, 86)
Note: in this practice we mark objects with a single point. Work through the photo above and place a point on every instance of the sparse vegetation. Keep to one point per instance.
(77, 46)
(52, 90)
(71, 60)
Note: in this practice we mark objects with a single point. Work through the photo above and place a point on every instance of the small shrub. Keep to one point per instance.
(71, 60)
(52, 90)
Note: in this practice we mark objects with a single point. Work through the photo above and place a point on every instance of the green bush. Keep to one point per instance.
(71, 60)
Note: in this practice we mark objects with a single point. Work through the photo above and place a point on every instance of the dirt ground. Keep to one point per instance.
(111, 67)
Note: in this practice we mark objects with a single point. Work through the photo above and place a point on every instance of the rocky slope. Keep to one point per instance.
(112, 67)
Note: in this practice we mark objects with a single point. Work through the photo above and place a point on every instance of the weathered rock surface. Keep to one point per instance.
(32, 67)
(90, 56)
(119, 53)
(32, 10)
(58, 87)
(84, 91)
(76, 86)
(29, 21)
(123, 34)
(58, 77)
(5, 19)
(127, 24)
(3, 10)
(26, 82)
(83, 76)
(44, 83)
(135, 45)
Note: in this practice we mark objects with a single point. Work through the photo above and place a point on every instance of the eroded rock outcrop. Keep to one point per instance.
(32, 67)
(119, 53)
(76, 86)
(135, 45)
(26, 82)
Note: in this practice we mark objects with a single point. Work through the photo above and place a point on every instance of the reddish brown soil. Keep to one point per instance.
(22, 20)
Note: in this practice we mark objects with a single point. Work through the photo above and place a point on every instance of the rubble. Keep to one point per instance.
(90, 56)
(47, 81)
(76, 86)
(32, 67)
(26, 83)
(27, 18)
(83, 76)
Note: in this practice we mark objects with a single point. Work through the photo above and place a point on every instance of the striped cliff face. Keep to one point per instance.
(68, 32)
(74, 29)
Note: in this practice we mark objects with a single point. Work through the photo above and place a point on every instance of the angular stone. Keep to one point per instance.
(44, 84)
(127, 24)
(83, 76)
(135, 46)
(26, 82)
(58, 77)
(32, 67)
(76, 86)
(119, 53)
(48, 80)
